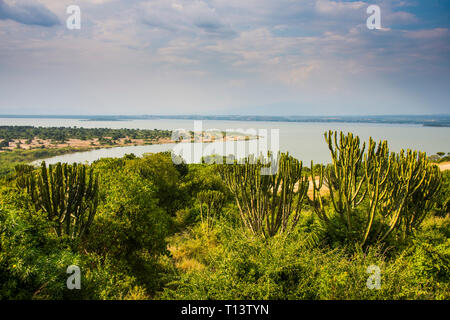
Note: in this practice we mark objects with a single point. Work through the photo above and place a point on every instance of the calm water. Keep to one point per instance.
(303, 140)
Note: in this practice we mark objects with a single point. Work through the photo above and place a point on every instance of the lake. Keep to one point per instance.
(304, 141)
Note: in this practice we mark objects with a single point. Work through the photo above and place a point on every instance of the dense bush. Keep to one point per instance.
(65, 133)
(442, 203)
(33, 264)
(234, 264)
(119, 255)
(33, 260)
(10, 159)
(148, 240)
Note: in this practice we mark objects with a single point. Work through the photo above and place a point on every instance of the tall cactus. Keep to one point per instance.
(343, 177)
(398, 188)
(421, 201)
(68, 194)
(377, 165)
(214, 201)
(413, 184)
(268, 204)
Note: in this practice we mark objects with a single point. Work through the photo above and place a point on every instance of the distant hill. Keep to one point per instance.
(425, 120)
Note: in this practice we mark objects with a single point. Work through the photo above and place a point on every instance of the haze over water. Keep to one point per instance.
(304, 141)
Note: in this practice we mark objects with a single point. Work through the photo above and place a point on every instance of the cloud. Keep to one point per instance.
(188, 17)
(429, 34)
(222, 52)
(29, 13)
(399, 17)
(335, 8)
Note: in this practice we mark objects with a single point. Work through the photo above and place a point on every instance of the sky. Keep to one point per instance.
(251, 57)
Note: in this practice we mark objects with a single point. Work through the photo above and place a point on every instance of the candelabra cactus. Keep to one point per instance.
(421, 201)
(214, 201)
(343, 178)
(68, 194)
(396, 189)
(412, 185)
(268, 204)
(377, 165)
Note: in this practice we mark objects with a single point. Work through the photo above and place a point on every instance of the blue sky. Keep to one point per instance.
(260, 57)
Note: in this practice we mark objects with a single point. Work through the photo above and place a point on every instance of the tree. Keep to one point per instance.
(68, 194)
(214, 201)
(398, 188)
(4, 144)
(268, 204)
(159, 169)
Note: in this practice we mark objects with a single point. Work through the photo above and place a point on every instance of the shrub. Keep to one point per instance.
(239, 265)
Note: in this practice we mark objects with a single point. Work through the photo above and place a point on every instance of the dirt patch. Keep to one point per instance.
(444, 166)
(78, 143)
(323, 191)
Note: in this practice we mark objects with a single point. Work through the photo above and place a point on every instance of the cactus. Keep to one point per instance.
(413, 184)
(342, 178)
(398, 188)
(21, 172)
(377, 169)
(214, 201)
(68, 194)
(268, 204)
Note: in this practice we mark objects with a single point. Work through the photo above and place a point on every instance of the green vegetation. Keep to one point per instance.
(10, 159)
(395, 190)
(213, 201)
(64, 133)
(440, 157)
(262, 210)
(67, 194)
(106, 137)
(156, 230)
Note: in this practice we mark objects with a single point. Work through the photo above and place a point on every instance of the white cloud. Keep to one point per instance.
(435, 33)
(336, 8)
(227, 50)
(177, 6)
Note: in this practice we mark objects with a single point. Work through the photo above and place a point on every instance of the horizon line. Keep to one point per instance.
(221, 115)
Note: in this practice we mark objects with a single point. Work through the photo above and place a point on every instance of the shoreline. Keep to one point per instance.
(96, 143)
